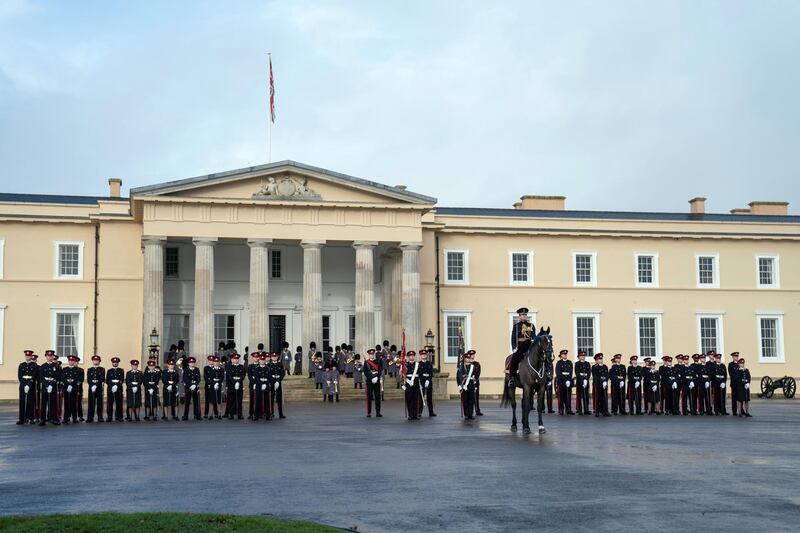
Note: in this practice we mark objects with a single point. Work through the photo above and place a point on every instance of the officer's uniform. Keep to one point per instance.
(373, 373)
(733, 366)
(133, 382)
(743, 388)
(298, 362)
(706, 378)
(151, 380)
(95, 378)
(521, 330)
(170, 378)
(679, 369)
(634, 387)
(115, 380)
(261, 375)
(426, 382)
(214, 385)
(330, 387)
(600, 386)
(252, 383)
(207, 384)
(689, 387)
(277, 373)
(191, 385)
(720, 378)
(358, 372)
(82, 380)
(617, 377)
(286, 359)
(411, 386)
(583, 374)
(27, 374)
(652, 381)
(669, 388)
(564, 384)
(466, 384)
(312, 366)
(235, 379)
(50, 376)
(699, 369)
(477, 375)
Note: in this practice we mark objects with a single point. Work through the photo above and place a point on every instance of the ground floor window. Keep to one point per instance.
(457, 334)
(176, 328)
(770, 338)
(67, 334)
(224, 329)
(326, 331)
(587, 333)
(648, 335)
(2, 322)
(351, 330)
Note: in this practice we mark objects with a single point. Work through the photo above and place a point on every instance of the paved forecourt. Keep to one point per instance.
(330, 464)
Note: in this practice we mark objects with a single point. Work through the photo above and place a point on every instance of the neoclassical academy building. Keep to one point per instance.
(286, 251)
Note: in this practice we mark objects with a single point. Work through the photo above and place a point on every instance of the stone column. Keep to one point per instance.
(387, 264)
(365, 296)
(397, 298)
(153, 316)
(412, 308)
(203, 334)
(312, 293)
(259, 291)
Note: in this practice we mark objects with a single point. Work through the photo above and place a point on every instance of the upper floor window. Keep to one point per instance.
(585, 268)
(520, 267)
(275, 265)
(708, 270)
(68, 259)
(709, 332)
(646, 269)
(456, 267)
(768, 275)
(171, 262)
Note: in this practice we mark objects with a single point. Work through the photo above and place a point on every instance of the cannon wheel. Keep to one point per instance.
(766, 387)
(789, 387)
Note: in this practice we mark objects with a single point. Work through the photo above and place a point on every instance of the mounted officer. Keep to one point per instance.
(521, 336)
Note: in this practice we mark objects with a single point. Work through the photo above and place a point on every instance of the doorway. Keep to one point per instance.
(277, 332)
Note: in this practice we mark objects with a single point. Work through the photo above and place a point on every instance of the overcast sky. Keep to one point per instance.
(617, 105)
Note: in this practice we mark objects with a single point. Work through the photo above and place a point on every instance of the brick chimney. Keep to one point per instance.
(541, 203)
(114, 187)
(769, 208)
(697, 206)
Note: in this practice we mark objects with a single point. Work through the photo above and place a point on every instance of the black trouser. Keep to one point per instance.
(71, 404)
(413, 399)
(235, 398)
(718, 398)
(115, 403)
(151, 402)
(373, 395)
(549, 396)
(259, 409)
(171, 400)
(48, 404)
(669, 399)
(705, 398)
(207, 391)
(581, 397)
(635, 397)
(213, 397)
(599, 399)
(692, 396)
(252, 404)
(468, 401)
(27, 403)
(478, 397)
(80, 403)
(617, 397)
(95, 403)
(564, 395)
(276, 397)
(734, 399)
(516, 357)
(193, 397)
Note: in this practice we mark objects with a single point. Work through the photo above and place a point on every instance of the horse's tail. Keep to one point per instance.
(505, 400)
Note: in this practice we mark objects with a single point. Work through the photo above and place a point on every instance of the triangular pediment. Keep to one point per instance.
(282, 181)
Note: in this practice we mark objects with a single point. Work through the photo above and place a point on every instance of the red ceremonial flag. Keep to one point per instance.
(271, 92)
(403, 356)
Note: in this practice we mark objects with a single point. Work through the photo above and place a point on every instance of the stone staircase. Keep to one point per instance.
(301, 389)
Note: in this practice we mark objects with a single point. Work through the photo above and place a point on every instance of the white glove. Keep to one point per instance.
(374, 380)
(691, 384)
(236, 385)
(585, 383)
(277, 385)
(621, 384)
(169, 388)
(69, 388)
(722, 385)
(216, 386)
(135, 389)
(567, 383)
(410, 381)
(605, 384)
(674, 386)
(427, 383)
(746, 385)
(27, 389)
(263, 386)
(94, 388)
(655, 388)
(114, 388)
(49, 388)
(193, 388)
(403, 387)
(636, 384)
(708, 384)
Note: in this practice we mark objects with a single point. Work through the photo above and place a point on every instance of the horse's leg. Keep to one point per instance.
(513, 409)
(540, 408)
(526, 408)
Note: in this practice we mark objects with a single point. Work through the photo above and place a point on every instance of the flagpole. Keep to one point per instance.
(269, 117)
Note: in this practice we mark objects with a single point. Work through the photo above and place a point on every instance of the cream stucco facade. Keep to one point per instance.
(292, 251)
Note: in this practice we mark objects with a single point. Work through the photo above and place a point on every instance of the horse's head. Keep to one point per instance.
(542, 345)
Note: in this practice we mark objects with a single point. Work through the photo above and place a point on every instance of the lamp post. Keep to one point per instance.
(154, 347)
(430, 347)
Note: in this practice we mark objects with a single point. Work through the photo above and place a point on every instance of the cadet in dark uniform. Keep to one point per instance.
(151, 380)
(617, 377)
(277, 373)
(115, 378)
(477, 375)
(96, 377)
(720, 378)
(689, 386)
(27, 373)
(426, 380)
(600, 386)
(521, 336)
(634, 386)
(743, 388)
(191, 383)
(298, 361)
(411, 386)
(669, 387)
(583, 373)
(651, 384)
(312, 366)
(214, 385)
(133, 382)
(261, 375)
(235, 378)
(171, 380)
(358, 372)
(732, 376)
(466, 383)
(706, 376)
(207, 380)
(50, 376)
(679, 369)
(252, 382)
(373, 372)
(564, 383)
(699, 369)
(79, 399)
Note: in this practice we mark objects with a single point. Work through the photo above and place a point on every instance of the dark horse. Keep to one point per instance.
(532, 379)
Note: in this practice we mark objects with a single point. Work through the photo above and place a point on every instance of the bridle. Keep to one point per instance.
(546, 352)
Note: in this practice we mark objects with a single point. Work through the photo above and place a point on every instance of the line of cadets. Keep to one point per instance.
(684, 389)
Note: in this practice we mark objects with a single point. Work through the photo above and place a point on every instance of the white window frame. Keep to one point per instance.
(715, 272)
(654, 284)
(2, 257)
(511, 316)
(447, 280)
(55, 310)
(776, 272)
(659, 337)
(57, 259)
(282, 260)
(529, 282)
(2, 330)
(719, 315)
(467, 315)
(779, 321)
(593, 271)
(588, 313)
(177, 273)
